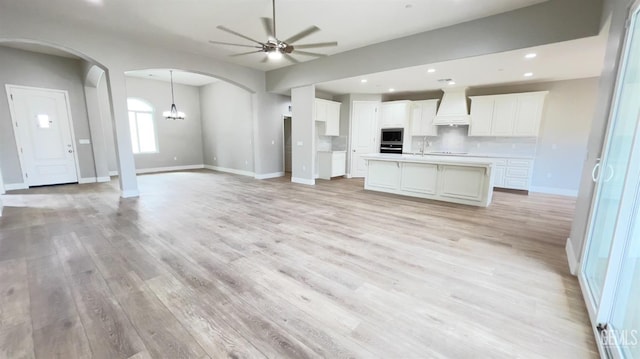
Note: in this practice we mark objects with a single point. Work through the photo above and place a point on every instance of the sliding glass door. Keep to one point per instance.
(610, 271)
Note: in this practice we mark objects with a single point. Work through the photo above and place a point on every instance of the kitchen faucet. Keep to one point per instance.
(424, 145)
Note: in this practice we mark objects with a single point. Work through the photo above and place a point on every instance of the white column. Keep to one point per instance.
(1, 191)
(124, 151)
(303, 135)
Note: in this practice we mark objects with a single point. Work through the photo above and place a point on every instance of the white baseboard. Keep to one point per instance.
(87, 180)
(552, 190)
(571, 257)
(230, 170)
(130, 194)
(15, 186)
(104, 179)
(303, 181)
(162, 169)
(269, 175)
(169, 169)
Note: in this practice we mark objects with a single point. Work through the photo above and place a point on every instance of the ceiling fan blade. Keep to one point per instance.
(232, 44)
(267, 24)
(302, 34)
(246, 53)
(290, 58)
(238, 34)
(307, 53)
(318, 44)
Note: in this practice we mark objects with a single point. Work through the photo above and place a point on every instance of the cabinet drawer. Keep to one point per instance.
(518, 172)
(500, 161)
(516, 183)
(519, 163)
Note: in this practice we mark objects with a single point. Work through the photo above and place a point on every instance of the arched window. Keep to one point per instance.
(142, 126)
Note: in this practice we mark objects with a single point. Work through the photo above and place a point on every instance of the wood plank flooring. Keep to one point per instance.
(213, 265)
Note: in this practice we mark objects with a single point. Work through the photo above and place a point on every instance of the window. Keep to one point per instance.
(143, 130)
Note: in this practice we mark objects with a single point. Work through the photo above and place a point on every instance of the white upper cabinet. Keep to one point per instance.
(509, 115)
(481, 116)
(422, 115)
(395, 114)
(329, 113)
(529, 114)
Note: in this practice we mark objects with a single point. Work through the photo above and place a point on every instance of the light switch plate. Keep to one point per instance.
(299, 143)
(84, 141)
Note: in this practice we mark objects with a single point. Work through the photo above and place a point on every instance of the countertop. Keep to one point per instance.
(482, 155)
(429, 159)
(331, 151)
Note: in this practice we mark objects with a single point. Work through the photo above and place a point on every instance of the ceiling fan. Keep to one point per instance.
(275, 48)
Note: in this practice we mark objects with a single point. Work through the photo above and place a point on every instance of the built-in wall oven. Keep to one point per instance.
(391, 140)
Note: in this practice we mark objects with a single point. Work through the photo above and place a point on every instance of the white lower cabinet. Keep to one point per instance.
(467, 184)
(512, 173)
(332, 164)
(384, 174)
(419, 178)
(463, 182)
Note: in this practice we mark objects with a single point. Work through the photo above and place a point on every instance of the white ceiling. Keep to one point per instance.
(179, 77)
(560, 61)
(189, 24)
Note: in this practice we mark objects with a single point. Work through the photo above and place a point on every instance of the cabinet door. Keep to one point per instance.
(481, 116)
(419, 178)
(504, 115)
(462, 182)
(332, 126)
(416, 120)
(529, 115)
(338, 164)
(383, 174)
(386, 117)
(499, 173)
(321, 110)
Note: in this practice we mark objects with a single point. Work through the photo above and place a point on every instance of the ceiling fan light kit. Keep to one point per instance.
(274, 48)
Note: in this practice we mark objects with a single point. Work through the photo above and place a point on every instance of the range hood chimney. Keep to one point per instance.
(453, 108)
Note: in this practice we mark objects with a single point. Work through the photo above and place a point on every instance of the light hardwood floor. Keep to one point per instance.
(213, 265)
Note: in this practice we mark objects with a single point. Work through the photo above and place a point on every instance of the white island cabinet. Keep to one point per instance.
(458, 180)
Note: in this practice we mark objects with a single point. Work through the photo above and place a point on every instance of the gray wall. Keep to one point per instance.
(37, 70)
(227, 123)
(303, 134)
(270, 141)
(107, 124)
(616, 11)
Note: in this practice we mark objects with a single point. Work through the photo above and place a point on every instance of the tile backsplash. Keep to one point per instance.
(455, 139)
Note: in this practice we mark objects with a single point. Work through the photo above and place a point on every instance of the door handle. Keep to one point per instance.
(595, 176)
(70, 151)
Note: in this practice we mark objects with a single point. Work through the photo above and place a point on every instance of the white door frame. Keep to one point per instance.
(2, 191)
(16, 135)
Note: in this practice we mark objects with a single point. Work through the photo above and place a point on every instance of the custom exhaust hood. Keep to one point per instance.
(453, 108)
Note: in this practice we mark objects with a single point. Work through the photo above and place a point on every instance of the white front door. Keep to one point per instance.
(364, 134)
(42, 127)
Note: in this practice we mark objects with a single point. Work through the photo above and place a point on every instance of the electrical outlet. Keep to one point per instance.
(175, 158)
(300, 143)
(215, 158)
(273, 142)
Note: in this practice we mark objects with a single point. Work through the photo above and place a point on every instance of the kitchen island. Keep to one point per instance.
(450, 179)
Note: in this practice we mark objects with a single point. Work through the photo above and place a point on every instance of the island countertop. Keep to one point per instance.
(455, 160)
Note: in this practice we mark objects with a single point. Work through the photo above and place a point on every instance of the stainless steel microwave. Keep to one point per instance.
(391, 136)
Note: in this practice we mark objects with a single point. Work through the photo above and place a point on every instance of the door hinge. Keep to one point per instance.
(26, 175)
(21, 151)
(11, 95)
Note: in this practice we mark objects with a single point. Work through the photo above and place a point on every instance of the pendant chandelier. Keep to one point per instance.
(173, 113)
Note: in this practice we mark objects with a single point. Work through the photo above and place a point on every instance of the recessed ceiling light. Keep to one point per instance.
(528, 74)
(452, 82)
(532, 55)
(431, 71)
(364, 81)
(391, 89)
